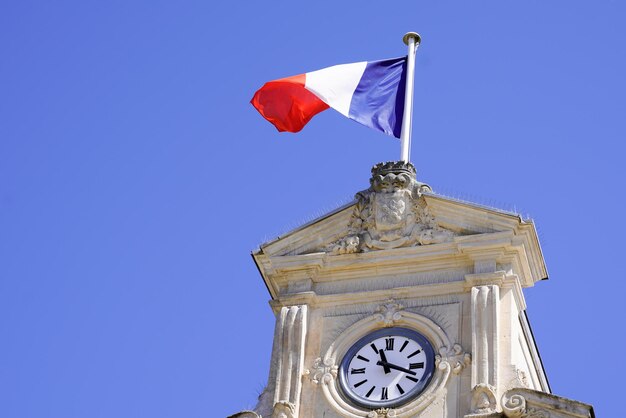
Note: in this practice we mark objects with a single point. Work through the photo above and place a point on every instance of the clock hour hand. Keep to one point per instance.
(383, 362)
(395, 367)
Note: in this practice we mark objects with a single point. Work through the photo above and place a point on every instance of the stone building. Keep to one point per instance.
(405, 304)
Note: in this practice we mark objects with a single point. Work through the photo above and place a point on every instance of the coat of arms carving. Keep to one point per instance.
(391, 213)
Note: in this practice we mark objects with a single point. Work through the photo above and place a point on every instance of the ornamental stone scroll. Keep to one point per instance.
(530, 403)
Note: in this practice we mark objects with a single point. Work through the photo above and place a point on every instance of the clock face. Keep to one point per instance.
(387, 368)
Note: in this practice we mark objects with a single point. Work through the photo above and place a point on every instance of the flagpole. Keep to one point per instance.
(412, 40)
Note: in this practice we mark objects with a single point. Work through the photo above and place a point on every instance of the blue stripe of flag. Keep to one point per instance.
(378, 101)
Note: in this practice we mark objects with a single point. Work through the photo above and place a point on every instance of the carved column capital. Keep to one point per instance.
(483, 399)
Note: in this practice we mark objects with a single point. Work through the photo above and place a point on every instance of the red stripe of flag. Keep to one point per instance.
(287, 104)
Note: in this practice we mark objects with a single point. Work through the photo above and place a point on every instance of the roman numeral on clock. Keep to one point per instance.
(359, 371)
(419, 365)
(389, 344)
(384, 394)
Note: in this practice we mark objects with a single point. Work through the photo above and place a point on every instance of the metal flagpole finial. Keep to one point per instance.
(414, 35)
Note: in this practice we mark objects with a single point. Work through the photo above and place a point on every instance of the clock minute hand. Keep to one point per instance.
(393, 366)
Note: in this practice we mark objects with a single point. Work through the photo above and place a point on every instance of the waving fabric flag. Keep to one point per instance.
(371, 93)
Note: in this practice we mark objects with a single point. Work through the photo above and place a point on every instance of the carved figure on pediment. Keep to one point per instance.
(390, 214)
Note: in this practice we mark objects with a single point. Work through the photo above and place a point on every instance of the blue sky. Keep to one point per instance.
(135, 180)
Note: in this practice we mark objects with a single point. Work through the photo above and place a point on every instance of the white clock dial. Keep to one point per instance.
(387, 367)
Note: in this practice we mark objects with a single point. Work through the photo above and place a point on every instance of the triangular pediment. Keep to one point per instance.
(398, 227)
(454, 218)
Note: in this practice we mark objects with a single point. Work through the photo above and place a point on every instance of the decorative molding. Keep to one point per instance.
(455, 359)
(322, 371)
(389, 312)
(390, 214)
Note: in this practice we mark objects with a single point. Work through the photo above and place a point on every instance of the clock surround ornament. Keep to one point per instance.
(451, 359)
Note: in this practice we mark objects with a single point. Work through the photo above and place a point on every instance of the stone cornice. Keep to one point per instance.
(477, 254)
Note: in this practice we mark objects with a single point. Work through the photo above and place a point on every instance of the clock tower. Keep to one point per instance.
(404, 304)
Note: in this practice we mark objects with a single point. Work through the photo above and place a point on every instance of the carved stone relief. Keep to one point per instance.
(454, 358)
(323, 370)
(390, 214)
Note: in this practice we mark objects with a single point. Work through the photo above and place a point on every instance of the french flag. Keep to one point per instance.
(371, 93)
